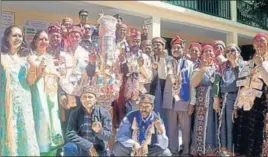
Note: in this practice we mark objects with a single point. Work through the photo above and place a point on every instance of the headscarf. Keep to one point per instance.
(235, 46)
(259, 35)
(206, 46)
(218, 42)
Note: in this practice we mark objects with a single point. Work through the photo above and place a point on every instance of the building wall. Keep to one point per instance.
(22, 15)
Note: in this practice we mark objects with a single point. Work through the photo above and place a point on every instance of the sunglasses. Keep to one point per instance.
(83, 16)
(232, 50)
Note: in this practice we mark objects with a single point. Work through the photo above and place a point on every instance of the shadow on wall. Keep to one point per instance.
(247, 52)
(168, 46)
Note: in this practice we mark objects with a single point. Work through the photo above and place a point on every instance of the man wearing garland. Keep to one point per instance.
(142, 132)
(177, 96)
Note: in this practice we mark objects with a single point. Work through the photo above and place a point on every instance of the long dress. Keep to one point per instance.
(265, 140)
(229, 92)
(204, 139)
(46, 109)
(17, 128)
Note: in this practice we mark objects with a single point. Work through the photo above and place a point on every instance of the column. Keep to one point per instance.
(233, 10)
(154, 29)
(232, 37)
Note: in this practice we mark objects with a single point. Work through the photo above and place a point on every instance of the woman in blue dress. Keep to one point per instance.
(204, 138)
(228, 90)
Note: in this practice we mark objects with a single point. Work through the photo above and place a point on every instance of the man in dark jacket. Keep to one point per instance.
(89, 127)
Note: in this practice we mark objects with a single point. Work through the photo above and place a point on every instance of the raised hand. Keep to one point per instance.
(159, 126)
(96, 126)
(257, 59)
(144, 29)
(140, 61)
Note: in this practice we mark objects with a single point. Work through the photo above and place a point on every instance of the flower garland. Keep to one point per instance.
(149, 132)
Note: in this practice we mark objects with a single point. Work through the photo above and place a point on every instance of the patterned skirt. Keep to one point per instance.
(204, 139)
(248, 132)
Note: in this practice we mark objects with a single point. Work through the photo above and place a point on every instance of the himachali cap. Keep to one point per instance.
(67, 19)
(218, 42)
(147, 98)
(160, 40)
(77, 29)
(197, 45)
(177, 40)
(55, 28)
(89, 89)
(146, 43)
(134, 33)
(259, 35)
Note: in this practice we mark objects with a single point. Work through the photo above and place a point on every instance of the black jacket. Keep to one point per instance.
(75, 124)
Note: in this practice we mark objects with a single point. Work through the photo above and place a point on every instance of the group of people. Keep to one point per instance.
(50, 93)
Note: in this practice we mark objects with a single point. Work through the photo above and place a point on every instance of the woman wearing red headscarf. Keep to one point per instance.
(205, 124)
(251, 108)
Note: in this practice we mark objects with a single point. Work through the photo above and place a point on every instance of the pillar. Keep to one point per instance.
(232, 37)
(233, 10)
(154, 27)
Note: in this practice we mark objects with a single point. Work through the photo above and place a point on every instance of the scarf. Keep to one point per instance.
(143, 126)
(185, 84)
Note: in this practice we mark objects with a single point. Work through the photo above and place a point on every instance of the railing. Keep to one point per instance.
(219, 8)
(249, 15)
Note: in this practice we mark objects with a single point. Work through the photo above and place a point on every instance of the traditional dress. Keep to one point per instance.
(75, 63)
(45, 107)
(204, 139)
(251, 104)
(158, 145)
(265, 139)
(177, 109)
(17, 127)
(228, 90)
